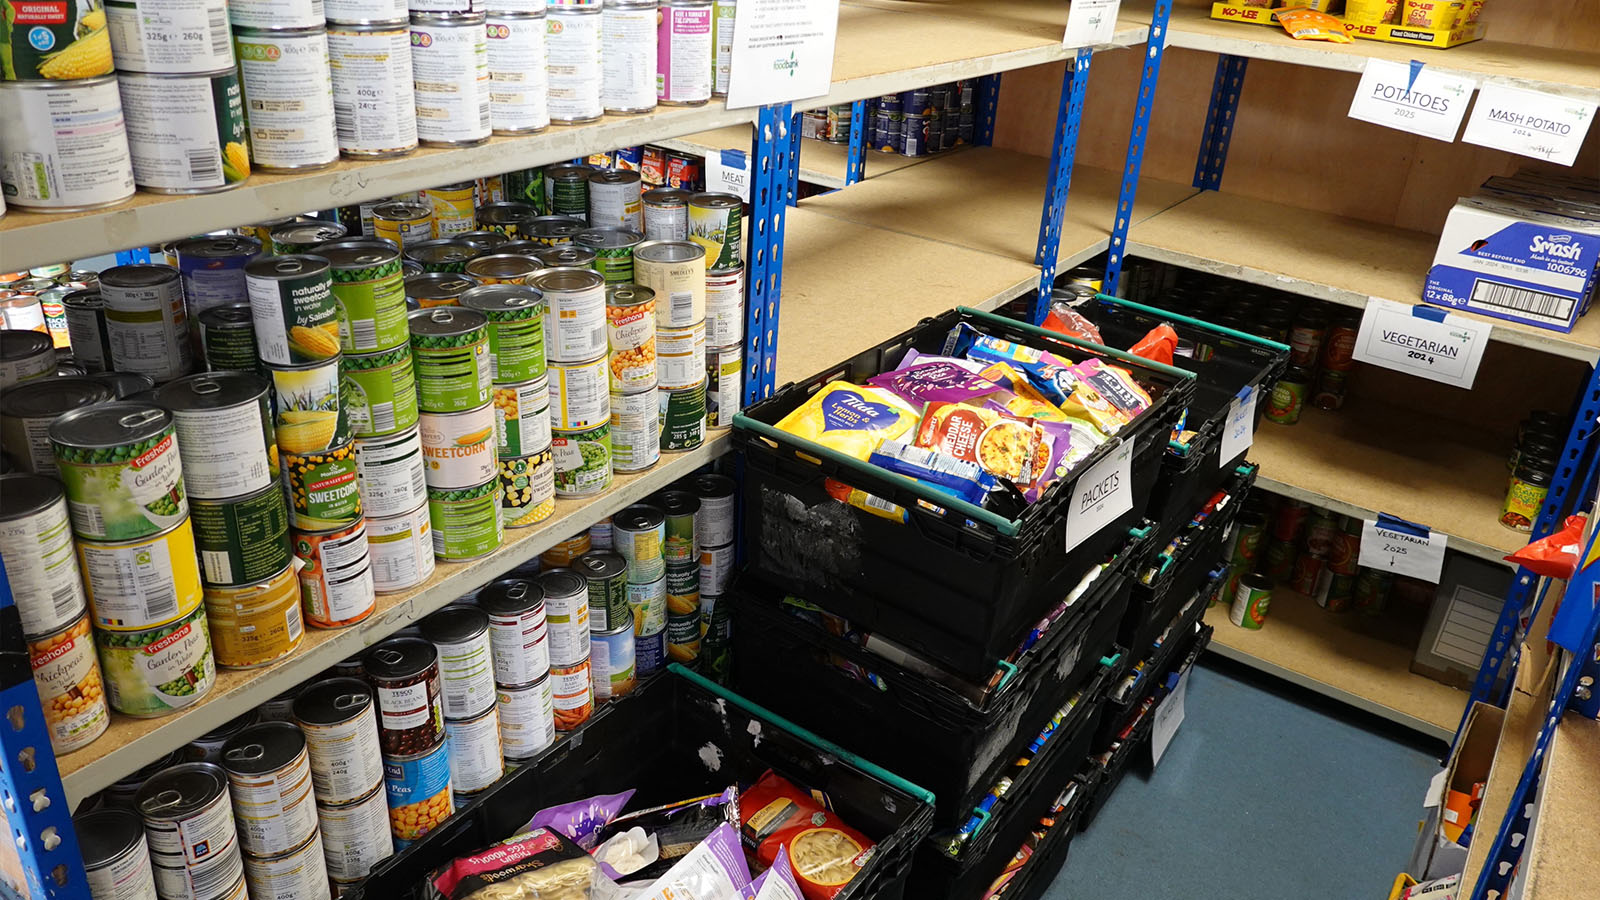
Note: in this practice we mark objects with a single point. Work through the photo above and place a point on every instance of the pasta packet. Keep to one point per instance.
(852, 419)
(777, 882)
(823, 851)
(542, 864)
(1114, 383)
(928, 381)
(714, 869)
(1002, 444)
(1313, 25)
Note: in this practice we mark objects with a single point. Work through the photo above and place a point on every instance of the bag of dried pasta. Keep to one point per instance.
(824, 853)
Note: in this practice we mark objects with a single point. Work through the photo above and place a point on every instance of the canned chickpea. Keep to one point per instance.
(67, 676)
(524, 411)
(401, 550)
(631, 335)
(257, 624)
(323, 491)
(528, 489)
(335, 575)
(418, 787)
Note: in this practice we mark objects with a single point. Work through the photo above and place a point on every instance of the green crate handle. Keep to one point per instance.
(1140, 533)
(1198, 323)
(1113, 352)
(695, 678)
(1010, 673)
(983, 821)
(1245, 469)
(1107, 661)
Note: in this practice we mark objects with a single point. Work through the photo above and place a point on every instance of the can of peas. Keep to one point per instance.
(466, 522)
(379, 391)
(516, 330)
(450, 355)
(582, 461)
(162, 670)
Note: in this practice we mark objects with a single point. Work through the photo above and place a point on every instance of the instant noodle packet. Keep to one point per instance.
(542, 864)
(1312, 25)
(852, 419)
(1002, 444)
(1115, 384)
(1041, 366)
(1026, 399)
(823, 851)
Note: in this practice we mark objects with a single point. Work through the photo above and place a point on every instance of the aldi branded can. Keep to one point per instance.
(466, 522)
(628, 32)
(582, 461)
(115, 857)
(573, 48)
(400, 549)
(379, 391)
(369, 293)
(518, 81)
(403, 222)
(186, 133)
(288, 96)
(188, 827)
(269, 782)
(683, 52)
(631, 335)
(450, 353)
(45, 163)
(374, 101)
(452, 206)
(528, 486)
(146, 322)
(639, 534)
(635, 430)
(429, 289)
(578, 396)
(524, 411)
(450, 69)
(355, 835)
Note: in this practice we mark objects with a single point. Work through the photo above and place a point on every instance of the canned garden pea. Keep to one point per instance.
(583, 461)
(379, 391)
(119, 462)
(516, 330)
(370, 294)
(466, 522)
(152, 673)
(442, 255)
(450, 354)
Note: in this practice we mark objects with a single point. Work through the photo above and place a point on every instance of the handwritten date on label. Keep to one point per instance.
(1402, 552)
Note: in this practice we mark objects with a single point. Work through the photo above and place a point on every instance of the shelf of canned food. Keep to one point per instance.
(341, 96)
(282, 447)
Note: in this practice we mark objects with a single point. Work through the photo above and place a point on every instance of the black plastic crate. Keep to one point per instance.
(917, 726)
(1225, 362)
(955, 569)
(656, 741)
(1178, 629)
(1034, 880)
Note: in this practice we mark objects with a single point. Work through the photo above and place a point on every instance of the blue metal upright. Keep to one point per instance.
(37, 819)
(1069, 114)
(1225, 91)
(855, 165)
(987, 101)
(772, 180)
(1155, 50)
(792, 191)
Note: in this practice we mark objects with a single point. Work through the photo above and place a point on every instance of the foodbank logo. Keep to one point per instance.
(786, 65)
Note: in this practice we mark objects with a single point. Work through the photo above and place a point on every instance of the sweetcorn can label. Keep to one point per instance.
(528, 489)
(288, 97)
(257, 624)
(36, 32)
(458, 449)
(242, 540)
(143, 584)
(466, 521)
(67, 675)
(295, 312)
(323, 488)
(51, 167)
(154, 672)
(186, 134)
(379, 391)
(310, 410)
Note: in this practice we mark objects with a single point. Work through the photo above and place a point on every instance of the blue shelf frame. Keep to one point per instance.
(774, 171)
(1144, 105)
(1069, 116)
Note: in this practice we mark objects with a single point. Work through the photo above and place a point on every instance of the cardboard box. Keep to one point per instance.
(1435, 855)
(1465, 608)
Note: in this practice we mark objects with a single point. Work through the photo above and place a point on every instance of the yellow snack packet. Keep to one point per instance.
(850, 418)
(1026, 400)
(1311, 25)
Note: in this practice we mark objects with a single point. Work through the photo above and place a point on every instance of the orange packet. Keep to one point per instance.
(1311, 25)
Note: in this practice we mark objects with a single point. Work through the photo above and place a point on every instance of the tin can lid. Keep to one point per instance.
(15, 344)
(332, 700)
(669, 251)
(567, 278)
(222, 246)
(600, 564)
(137, 275)
(499, 297)
(439, 285)
(399, 658)
(229, 315)
(180, 791)
(678, 503)
(229, 728)
(106, 835)
(524, 248)
(502, 265)
(262, 748)
(614, 176)
(638, 517)
(628, 295)
(716, 201)
(212, 390)
(511, 596)
(292, 266)
(42, 397)
(125, 384)
(482, 240)
(402, 209)
(668, 196)
(454, 624)
(562, 583)
(554, 226)
(1256, 582)
(507, 212)
(446, 250)
(568, 171)
(23, 494)
(711, 486)
(308, 233)
(445, 320)
(568, 255)
(606, 238)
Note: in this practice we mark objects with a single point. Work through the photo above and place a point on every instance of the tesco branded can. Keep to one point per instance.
(37, 549)
(288, 96)
(401, 550)
(528, 488)
(66, 673)
(391, 474)
(516, 315)
(573, 48)
(65, 146)
(724, 385)
(418, 786)
(611, 662)
(213, 270)
(458, 449)
(725, 306)
(628, 31)
(189, 830)
(683, 53)
(681, 356)
(579, 398)
(460, 634)
(635, 431)
(450, 68)
(146, 321)
(269, 780)
(518, 81)
(476, 759)
(348, 12)
(276, 13)
(186, 133)
(336, 575)
(223, 421)
(527, 718)
(676, 271)
(566, 602)
(115, 857)
(404, 673)
(341, 730)
(572, 694)
(524, 411)
(466, 522)
(518, 630)
(666, 214)
(373, 97)
(355, 835)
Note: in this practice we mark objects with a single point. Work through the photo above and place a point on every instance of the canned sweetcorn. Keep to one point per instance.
(724, 385)
(572, 695)
(322, 486)
(452, 208)
(223, 422)
(66, 673)
(45, 165)
(295, 311)
(155, 672)
(635, 431)
(364, 11)
(611, 662)
(391, 474)
(373, 99)
(649, 605)
(476, 762)
(450, 69)
(339, 720)
(355, 835)
(378, 391)
(418, 787)
(527, 718)
(257, 624)
(631, 335)
(528, 489)
(511, 217)
(516, 328)
(403, 222)
(368, 293)
(683, 418)
(676, 271)
(401, 550)
(582, 461)
(552, 231)
(450, 352)
(606, 574)
(466, 522)
(288, 95)
(37, 550)
(579, 399)
(141, 585)
(310, 416)
(242, 540)
(518, 82)
(524, 411)
(186, 133)
(716, 223)
(681, 357)
(458, 449)
(335, 575)
(269, 781)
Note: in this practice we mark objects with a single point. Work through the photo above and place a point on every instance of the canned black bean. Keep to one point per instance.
(404, 673)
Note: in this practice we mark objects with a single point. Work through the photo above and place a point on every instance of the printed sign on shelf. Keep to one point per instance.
(1412, 98)
(729, 173)
(1421, 340)
(1101, 494)
(1169, 715)
(782, 51)
(1529, 123)
(1404, 548)
(1091, 22)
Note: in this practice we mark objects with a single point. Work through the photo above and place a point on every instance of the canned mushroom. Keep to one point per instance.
(405, 676)
(335, 575)
(527, 489)
(341, 732)
(460, 634)
(269, 779)
(257, 624)
(418, 786)
(67, 676)
(518, 631)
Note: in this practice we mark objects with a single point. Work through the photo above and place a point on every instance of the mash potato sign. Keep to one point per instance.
(1101, 494)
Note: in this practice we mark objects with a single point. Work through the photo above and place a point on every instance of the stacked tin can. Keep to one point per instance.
(339, 718)
(282, 47)
(460, 634)
(35, 300)
(575, 336)
(239, 513)
(188, 817)
(460, 430)
(612, 656)
(675, 272)
(638, 535)
(369, 61)
(405, 675)
(919, 122)
(521, 405)
(628, 32)
(574, 61)
(142, 313)
(682, 565)
(715, 534)
(519, 642)
(631, 327)
(116, 858)
(566, 604)
(715, 221)
(275, 811)
(518, 68)
(222, 328)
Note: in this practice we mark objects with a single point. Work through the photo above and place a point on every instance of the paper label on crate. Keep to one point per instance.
(1421, 340)
(1412, 98)
(1091, 22)
(729, 172)
(1402, 549)
(1239, 431)
(1529, 123)
(1101, 494)
(1168, 716)
(782, 51)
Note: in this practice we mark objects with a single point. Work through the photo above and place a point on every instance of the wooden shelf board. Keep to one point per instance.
(1307, 646)
(1369, 458)
(990, 199)
(1560, 856)
(848, 287)
(1320, 255)
(821, 163)
(131, 743)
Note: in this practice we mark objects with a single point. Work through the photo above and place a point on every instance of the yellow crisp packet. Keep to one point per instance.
(1312, 25)
(851, 418)
(1026, 399)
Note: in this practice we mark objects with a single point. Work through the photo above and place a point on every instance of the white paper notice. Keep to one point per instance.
(1400, 550)
(1091, 22)
(1412, 98)
(1101, 494)
(1169, 715)
(1421, 340)
(728, 172)
(1529, 123)
(782, 51)
(1239, 431)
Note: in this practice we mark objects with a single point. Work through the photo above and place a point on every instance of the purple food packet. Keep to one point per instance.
(917, 357)
(777, 882)
(713, 870)
(937, 381)
(581, 820)
(1062, 445)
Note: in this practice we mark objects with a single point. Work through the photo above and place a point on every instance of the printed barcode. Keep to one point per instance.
(214, 876)
(65, 599)
(364, 332)
(344, 121)
(292, 619)
(163, 605)
(483, 113)
(1535, 303)
(877, 502)
(221, 37)
(597, 338)
(382, 417)
(217, 567)
(682, 306)
(205, 165)
(418, 481)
